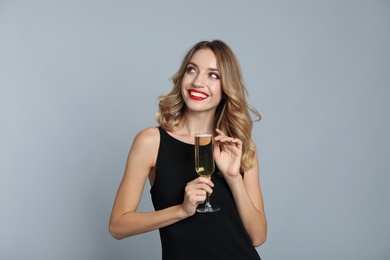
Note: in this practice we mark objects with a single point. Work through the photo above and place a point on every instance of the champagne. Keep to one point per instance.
(204, 158)
(204, 164)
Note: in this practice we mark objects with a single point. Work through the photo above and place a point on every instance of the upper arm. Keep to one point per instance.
(140, 161)
(252, 183)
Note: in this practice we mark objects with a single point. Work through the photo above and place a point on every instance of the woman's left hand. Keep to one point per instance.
(227, 154)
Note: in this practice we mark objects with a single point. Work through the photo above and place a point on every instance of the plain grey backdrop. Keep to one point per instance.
(79, 79)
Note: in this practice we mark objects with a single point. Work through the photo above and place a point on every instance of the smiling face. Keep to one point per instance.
(201, 85)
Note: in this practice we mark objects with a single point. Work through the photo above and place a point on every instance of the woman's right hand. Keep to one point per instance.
(195, 194)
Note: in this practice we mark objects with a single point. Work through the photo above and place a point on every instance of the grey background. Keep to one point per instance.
(79, 79)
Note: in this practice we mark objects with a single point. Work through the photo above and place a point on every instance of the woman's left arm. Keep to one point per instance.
(246, 191)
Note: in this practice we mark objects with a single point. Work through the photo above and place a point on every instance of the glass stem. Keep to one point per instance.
(207, 205)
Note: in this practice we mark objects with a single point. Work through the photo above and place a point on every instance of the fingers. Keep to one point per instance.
(201, 185)
(222, 138)
(197, 189)
(195, 194)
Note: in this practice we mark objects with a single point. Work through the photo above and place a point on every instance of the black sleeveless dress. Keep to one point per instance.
(218, 235)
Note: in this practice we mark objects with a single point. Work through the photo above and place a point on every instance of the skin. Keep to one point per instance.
(201, 78)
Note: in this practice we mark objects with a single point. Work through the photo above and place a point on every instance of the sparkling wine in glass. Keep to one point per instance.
(204, 163)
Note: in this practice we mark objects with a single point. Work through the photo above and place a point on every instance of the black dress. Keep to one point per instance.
(218, 235)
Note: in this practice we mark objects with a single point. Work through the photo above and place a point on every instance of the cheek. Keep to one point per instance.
(186, 80)
(218, 91)
(183, 89)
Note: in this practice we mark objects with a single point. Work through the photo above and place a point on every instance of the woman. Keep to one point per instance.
(208, 95)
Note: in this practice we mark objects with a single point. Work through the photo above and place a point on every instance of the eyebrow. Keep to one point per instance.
(194, 64)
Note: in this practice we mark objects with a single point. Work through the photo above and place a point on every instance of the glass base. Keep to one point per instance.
(208, 209)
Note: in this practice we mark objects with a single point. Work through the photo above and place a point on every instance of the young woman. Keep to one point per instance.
(208, 95)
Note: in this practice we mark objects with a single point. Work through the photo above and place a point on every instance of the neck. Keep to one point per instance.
(195, 122)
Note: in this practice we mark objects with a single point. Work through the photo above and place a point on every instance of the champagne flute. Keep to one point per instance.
(204, 163)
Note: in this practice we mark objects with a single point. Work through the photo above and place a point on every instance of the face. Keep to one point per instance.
(201, 84)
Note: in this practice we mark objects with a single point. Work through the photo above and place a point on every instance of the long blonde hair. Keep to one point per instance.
(233, 113)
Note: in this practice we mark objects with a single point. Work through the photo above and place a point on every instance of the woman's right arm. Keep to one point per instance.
(125, 221)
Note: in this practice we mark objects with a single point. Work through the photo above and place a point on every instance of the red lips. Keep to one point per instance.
(197, 95)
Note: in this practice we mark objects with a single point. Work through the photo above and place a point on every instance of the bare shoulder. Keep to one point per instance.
(254, 171)
(148, 138)
(149, 134)
(144, 150)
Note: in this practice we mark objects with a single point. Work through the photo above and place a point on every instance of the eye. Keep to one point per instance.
(190, 69)
(214, 75)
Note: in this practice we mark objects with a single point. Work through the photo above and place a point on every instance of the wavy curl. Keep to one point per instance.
(232, 115)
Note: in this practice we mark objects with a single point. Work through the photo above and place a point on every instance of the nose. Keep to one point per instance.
(200, 80)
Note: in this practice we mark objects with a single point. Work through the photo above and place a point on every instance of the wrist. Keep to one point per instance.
(182, 213)
(237, 177)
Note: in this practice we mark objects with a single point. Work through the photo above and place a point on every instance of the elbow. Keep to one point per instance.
(259, 240)
(120, 230)
(260, 236)
(114, 232)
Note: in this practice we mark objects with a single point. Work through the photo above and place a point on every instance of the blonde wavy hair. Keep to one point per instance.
(232, 115)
